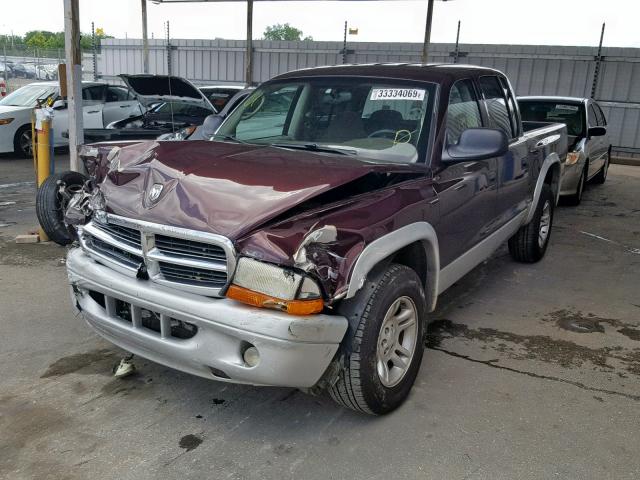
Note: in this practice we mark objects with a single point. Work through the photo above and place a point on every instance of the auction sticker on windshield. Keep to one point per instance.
(397, 94)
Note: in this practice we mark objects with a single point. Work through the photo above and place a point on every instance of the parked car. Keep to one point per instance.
(102, 104)
(6, 70)
(210, 123)
(219, 95)
(25, 70)
(589, 143)
(169, 106)
(308, 244)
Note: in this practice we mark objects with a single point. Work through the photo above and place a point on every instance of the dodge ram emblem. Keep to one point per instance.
(155, 191)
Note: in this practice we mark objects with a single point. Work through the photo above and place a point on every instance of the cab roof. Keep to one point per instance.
(437, 72)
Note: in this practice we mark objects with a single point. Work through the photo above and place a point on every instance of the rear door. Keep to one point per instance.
(466, 191)
(514, 185)
(119, 104)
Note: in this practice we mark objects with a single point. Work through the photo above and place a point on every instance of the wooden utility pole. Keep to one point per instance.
(145, 39)
(427, 32)
(249, 52)
(73, 61)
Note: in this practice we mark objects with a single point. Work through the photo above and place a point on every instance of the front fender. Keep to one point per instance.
(387, 245)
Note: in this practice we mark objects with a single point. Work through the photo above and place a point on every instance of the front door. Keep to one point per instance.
(466, 191)
(120, 104)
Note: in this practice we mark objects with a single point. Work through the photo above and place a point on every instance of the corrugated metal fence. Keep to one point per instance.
(533, 70)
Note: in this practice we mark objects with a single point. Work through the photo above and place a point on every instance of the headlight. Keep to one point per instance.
(181, 134)
(6, 121)
(572, 158)
(269, 286)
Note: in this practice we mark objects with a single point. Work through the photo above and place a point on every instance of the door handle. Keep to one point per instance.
(93, 111)
(460, 187)
(124, 106)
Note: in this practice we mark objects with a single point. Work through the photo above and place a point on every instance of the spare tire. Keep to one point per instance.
(51, 204)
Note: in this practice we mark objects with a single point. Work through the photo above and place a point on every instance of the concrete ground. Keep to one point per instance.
(531, 372)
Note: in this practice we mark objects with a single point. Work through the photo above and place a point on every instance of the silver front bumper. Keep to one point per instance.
(294, 351)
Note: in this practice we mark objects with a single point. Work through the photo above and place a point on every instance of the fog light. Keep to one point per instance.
(251, 356)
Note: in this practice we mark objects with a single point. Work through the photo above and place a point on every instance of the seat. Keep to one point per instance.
(345, 126)
(384, 120)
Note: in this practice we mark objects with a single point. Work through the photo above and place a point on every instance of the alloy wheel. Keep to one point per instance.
(397, 341)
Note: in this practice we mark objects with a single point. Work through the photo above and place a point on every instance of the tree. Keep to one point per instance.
(284, 32)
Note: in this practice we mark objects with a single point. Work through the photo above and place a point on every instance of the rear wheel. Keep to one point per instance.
(383, 351)
(530, 242)
(22, 142)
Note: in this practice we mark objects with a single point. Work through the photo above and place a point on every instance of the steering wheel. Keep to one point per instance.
(384, 133)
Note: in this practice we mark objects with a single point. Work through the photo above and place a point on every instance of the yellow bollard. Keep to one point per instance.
(43, 160)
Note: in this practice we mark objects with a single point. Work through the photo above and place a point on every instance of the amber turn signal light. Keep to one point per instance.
(292, 307)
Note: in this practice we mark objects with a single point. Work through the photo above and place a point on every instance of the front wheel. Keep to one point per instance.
(601, 176)
(530, 242)
(384, 346)
(22, 142)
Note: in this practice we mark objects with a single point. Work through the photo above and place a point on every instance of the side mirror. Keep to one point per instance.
(597, 131)
(477, 144)
(211, 124)
(59, 105)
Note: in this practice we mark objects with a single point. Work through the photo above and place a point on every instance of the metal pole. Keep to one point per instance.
(427, 32)
(249, 52)
(145, 39)
(168, 50)
(596, 72)
(457, 50)
(94, 54)
(344, 44)
(74, 79)
(4, 51)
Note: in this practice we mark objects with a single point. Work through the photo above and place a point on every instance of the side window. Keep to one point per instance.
(117, 94)
(93, 94)
(602, 120)
(496, 104)
(593, 118)
(463, 111)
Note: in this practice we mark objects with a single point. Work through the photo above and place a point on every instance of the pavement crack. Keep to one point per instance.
(491, 363)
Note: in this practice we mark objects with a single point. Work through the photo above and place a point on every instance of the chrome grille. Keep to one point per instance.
(189, 248)
(117, 254)
(192, 275)
(126, 235)
(190, 260)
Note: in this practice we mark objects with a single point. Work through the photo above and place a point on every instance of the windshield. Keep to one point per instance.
(377, 119)
(570, 114)
(28, 96)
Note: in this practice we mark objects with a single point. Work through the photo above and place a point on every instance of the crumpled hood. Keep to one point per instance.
(219, 187)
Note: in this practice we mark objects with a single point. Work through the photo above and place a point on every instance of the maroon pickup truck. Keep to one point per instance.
(305, 244)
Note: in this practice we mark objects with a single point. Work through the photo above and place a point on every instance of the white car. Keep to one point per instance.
(102, 104)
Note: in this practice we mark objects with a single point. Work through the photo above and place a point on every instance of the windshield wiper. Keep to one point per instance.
(229, 137)
(314, 147)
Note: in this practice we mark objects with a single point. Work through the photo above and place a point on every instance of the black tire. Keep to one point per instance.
(359, 385)
(601, 176)
(526, 245)
(20, 148)
(575, 199)
(50, 205)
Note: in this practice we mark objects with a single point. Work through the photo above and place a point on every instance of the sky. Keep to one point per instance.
(540, 22)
